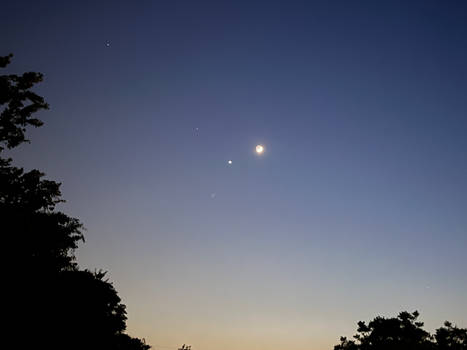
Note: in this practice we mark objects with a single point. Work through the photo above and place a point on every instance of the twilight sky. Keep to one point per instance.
(357, 208)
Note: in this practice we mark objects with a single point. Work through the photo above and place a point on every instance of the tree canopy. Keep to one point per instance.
(19, 104)
(56, 304)
(403, 332)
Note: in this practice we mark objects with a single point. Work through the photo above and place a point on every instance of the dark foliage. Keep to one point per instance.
(19, 103)
(450, 337)
(403, 332)
(43, 237)
(54, 304)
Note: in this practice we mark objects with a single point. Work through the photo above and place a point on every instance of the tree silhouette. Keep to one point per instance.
(403, 332)
(450, 337)
(55, 304)
(185, 347)
(20, 103)
(43, 238)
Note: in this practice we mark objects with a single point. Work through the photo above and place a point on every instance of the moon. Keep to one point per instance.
(259, 149)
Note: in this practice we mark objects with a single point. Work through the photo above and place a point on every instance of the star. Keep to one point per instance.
(229, 162)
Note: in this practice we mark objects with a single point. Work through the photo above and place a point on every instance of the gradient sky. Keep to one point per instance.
(358, 207)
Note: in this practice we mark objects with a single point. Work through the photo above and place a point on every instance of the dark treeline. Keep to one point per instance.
(53, 304)
(404, 332)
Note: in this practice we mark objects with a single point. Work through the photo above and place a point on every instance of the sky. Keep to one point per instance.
(357, 207)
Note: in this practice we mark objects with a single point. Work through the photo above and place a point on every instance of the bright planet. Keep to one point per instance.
(259, 149)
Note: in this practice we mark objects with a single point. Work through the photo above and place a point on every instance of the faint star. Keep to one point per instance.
(107, 43)
(213, 195)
